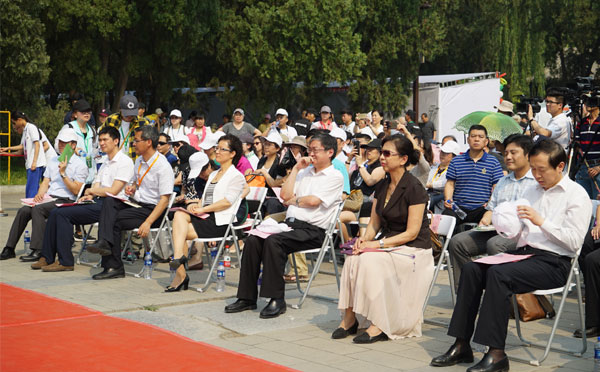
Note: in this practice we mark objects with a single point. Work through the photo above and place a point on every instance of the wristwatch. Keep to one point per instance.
(62, 175)
(298, 202)
(381, 243)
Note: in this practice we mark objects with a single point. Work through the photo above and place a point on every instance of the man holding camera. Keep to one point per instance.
(588, 136)
(559, 127)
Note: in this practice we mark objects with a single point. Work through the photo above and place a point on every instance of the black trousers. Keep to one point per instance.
(61, 221)
(273, 252)
(115, 217)
(38, 216)
(544, 270)
(589, 262)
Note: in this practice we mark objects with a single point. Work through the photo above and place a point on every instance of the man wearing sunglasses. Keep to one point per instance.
(312, 192)
(164, 147)
(559, 127)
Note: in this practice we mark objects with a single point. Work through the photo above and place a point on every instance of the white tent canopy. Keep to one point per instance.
(447, 98)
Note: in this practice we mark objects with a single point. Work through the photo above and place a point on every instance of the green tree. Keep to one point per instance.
(24, 59)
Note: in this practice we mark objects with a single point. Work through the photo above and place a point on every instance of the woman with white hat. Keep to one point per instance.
(174, 128)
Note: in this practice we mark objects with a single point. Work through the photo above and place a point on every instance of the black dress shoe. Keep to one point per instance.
(33, 256)
(343, 333)
(589, 332)
(486, 364)
(276, 307)
(101, 247)
(7, 253)
(240, 305)
(110, 273)
(364, 338)
(452, 357)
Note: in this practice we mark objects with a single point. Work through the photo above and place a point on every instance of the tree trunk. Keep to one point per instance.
(105, 50)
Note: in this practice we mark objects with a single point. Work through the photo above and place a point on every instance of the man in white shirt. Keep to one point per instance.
(559, 127)
(151, 189)
(465, 245)
(281, 125)
(62, 181)
(347, 123)
(312, 194)
(111, 178)
(552, 231)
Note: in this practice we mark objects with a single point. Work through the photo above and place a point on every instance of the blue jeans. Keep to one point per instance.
(583, 178)
(33, 181)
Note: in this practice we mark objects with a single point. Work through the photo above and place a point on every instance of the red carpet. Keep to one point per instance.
(41, 333)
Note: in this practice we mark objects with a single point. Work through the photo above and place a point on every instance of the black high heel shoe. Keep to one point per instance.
(183, 284)
(175, 263)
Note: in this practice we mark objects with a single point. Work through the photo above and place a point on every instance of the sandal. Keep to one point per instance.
(292, 278)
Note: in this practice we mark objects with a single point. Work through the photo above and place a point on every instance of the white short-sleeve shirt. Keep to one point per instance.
(76, 170)
(560, 126)
(119, 168)
(30, 136)
(156, 182)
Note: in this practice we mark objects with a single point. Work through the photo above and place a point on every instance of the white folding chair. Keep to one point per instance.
(257, 194)
(442, 225)
(229, 234)
(574, 271)
(165, 224)
(327, 245)
(80, 257)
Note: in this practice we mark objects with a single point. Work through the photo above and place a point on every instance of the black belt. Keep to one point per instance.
(301, 224)
(542, 252)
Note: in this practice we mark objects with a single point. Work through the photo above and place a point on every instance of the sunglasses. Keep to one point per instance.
(388, 153)
(163, 143)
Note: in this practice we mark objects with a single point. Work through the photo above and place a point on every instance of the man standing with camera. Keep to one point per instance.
(559, 127)
(587, 134)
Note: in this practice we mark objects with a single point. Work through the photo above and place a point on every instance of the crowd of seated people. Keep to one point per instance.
(387, 176)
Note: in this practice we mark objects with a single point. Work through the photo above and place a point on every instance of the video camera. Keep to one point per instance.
(580, 91)
(524, 102)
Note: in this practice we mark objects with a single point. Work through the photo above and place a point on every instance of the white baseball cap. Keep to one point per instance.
(67, 135)
(274, 137)
(209, 142)
(451, 147)
(281, 112)
(337, 132)
(197, 161)
(176, 113)
(181, 138)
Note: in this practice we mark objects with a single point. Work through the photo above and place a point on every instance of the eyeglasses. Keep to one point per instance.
(219, 149)
(388, 153)
(314, 151)
(139, 140)
(163, 143)
(552, 102)
(174, 117)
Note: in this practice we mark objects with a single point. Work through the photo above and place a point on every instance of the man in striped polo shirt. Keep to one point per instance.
(588, 136)
(471, 178)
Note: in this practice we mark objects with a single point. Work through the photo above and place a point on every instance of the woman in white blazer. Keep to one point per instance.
(223, 188)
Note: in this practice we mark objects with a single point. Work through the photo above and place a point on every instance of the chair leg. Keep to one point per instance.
(316, 267)
(581, 314)
(451, 278)
(80, 257)
(435, 275)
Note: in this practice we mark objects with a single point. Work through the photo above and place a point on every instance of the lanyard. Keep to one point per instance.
(438, 173)
(125, 138)
(85, 139)
(140, 179)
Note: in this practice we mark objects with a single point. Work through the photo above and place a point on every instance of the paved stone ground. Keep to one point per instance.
(298, 339)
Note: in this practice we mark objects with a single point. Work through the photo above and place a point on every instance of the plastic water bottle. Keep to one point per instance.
(148, 266)
(213, 253)
(81, 153)
(596, 355)
(220, 277)
(227, 258)
(27, 242)
(459, 212)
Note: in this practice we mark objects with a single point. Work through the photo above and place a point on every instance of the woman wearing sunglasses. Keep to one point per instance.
(385, 280)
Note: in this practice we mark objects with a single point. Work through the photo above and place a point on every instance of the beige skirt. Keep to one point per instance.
(388, 289)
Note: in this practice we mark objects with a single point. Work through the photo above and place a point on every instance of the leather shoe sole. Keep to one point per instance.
(589, 332)
(101, 247)
(273, 309)
(56, 268)
(450, 358)
(110, 274)
(239, 306)
(32, 257)
(486, 364)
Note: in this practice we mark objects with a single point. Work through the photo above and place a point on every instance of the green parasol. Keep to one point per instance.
(499, 126)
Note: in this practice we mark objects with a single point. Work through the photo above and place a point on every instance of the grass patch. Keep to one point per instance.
(151, 308)
(18, 174)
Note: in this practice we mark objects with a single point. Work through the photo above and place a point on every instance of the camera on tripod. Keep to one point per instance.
(524, 102)
(592, 98)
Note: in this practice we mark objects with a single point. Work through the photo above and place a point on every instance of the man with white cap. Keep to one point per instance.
(62, 181)
(175, 129)
(465, 245)
(238, 125)
(112, 177)
(326, 122)
(340, 135)
(281, 125)
(126, 121)
(436, 180)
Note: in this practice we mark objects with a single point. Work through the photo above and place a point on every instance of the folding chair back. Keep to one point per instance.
(229, 234)
(257, 194)
(327, 245)
(442, 225)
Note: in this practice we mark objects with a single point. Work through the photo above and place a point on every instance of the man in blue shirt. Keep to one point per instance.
(471, 178)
